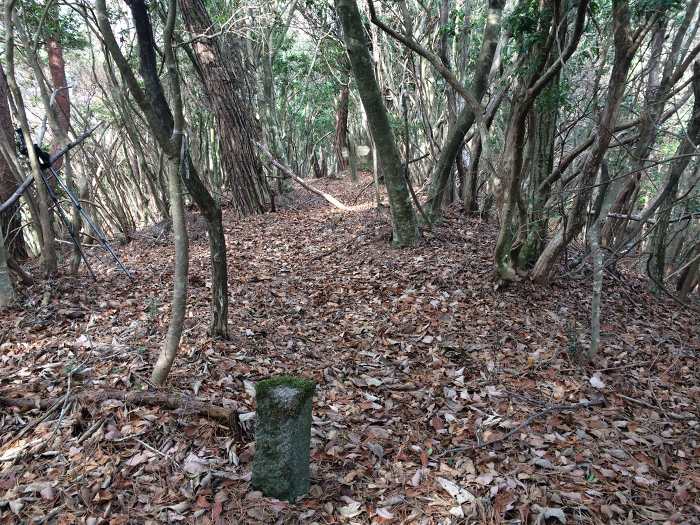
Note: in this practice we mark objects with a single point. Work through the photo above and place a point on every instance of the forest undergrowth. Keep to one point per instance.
(439, 399)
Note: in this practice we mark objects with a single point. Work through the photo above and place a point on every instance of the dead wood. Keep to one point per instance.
(167, 400)
(287, 172)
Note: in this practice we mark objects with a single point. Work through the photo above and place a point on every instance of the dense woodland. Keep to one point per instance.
(475, 224)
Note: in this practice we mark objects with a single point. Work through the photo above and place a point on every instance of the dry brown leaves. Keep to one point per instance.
(414, 354)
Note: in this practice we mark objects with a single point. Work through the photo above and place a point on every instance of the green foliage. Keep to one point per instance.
(526, 24)
(644, 8)
(58, 22)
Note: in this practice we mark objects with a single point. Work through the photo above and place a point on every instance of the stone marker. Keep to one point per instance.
(283, 437)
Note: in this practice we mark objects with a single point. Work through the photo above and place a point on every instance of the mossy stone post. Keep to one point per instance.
(283, 437)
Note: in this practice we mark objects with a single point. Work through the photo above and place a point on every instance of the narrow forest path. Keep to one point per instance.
(414, 354)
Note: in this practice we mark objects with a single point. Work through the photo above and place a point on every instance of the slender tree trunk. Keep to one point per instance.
(600, 210)
(7, 292)
(403, 215)
(471, 180)
(690, 276)
(179, 301)
(340, 143)
(178, 163)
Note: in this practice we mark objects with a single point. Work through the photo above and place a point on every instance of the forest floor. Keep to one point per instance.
(414, 354)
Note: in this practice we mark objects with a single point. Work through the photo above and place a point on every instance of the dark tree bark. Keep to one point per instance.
(340, 144)
(10, 222)
(224, 81)
(403, 216)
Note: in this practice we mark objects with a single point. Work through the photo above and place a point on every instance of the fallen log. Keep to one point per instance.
(287, 172)
(167, 400)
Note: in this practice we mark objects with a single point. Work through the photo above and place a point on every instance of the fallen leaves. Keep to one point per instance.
(414, 355)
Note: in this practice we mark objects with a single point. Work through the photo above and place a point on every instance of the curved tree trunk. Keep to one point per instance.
(179, 301)
(177, 162)
(403, 216)
(624, 52)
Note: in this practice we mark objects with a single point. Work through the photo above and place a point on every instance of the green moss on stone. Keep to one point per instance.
(282, 437)
(305, 386)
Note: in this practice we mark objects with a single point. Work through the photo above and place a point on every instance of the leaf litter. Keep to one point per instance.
(439, 400)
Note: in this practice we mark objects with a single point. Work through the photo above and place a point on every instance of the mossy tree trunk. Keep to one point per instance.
(405, 229)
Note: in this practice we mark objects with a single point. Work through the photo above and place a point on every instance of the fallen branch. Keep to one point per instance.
(556, 408)
(286, 170)
(167, 400)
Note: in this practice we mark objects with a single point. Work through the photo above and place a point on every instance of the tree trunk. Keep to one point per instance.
(576, 219)
(541, 135)
(600, 211)
(471, 180)
(403, 215)
(690, 276)
(179, 302)
(224, 81)
(340, 143)
(176, 165)
(10, 220)
(61, 95)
